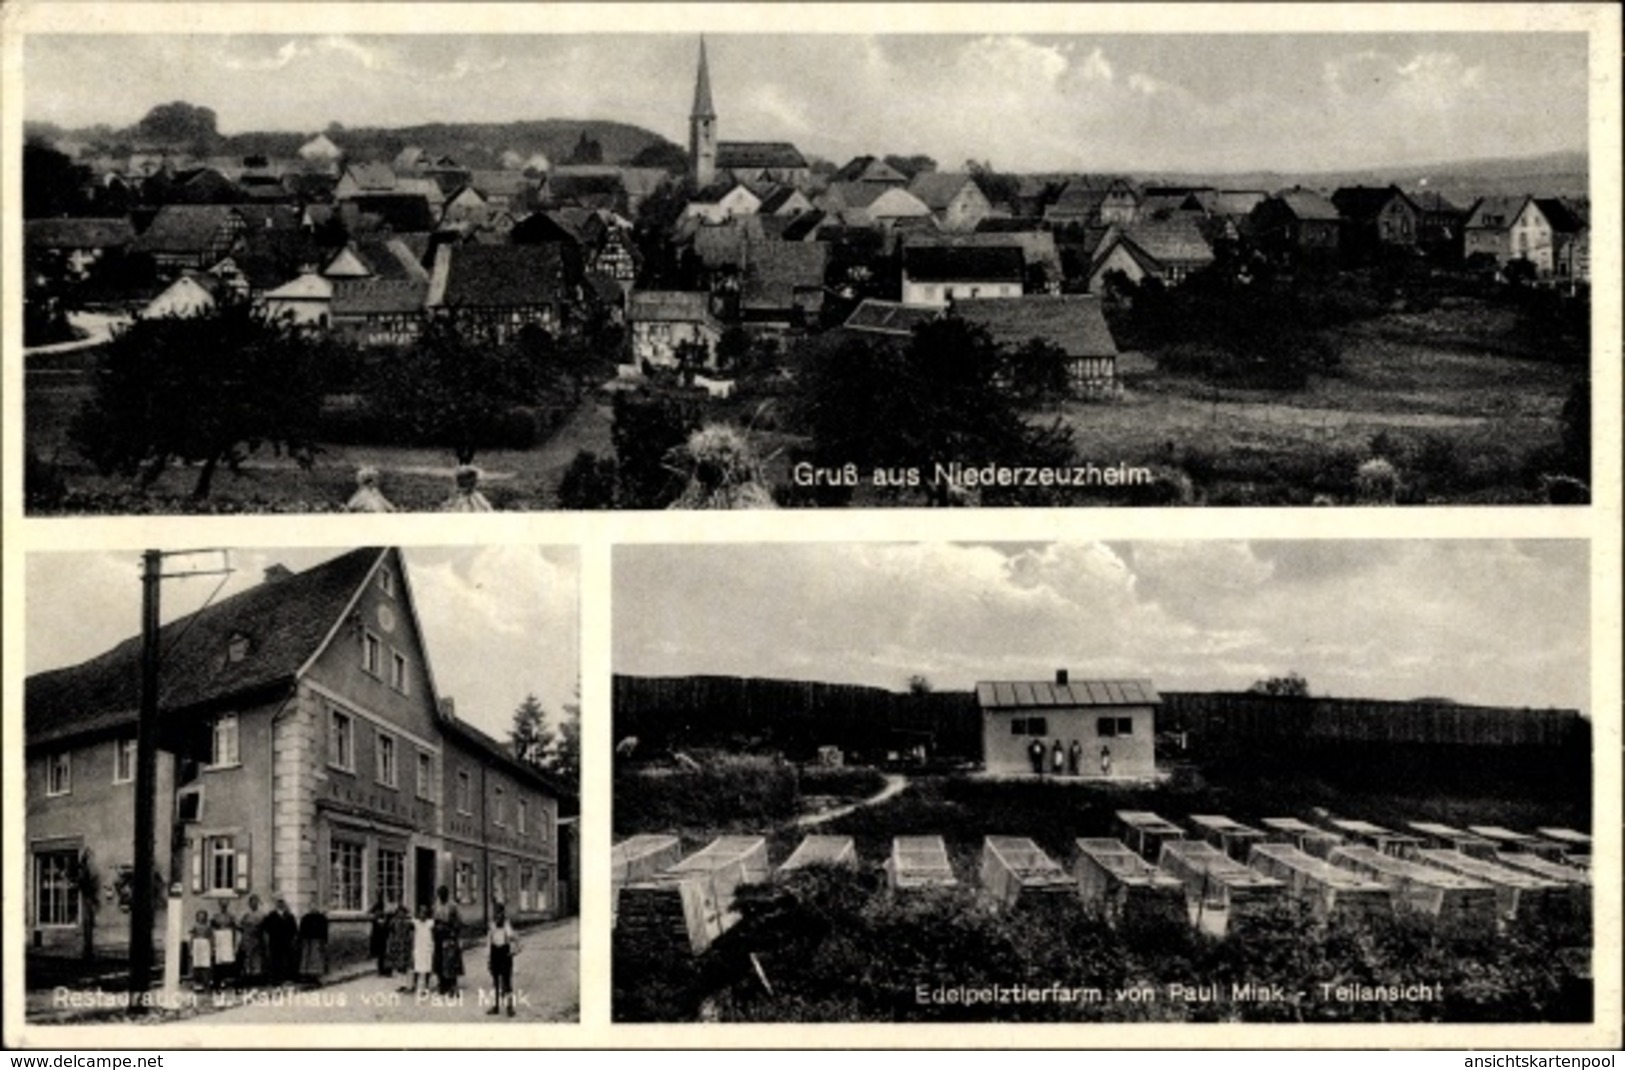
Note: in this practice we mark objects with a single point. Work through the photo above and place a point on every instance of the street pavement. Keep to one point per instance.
(546, 980)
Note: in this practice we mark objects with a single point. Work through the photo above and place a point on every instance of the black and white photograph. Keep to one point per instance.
(1267, 781)
(301, 786)
(280, 272)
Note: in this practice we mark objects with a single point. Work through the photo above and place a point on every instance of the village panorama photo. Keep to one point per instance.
(276, 272)
(1148, 781)
(299, 786)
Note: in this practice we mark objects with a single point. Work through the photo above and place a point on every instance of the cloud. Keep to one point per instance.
(290, 51)
(464, 66)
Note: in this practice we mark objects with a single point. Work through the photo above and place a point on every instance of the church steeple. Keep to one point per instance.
(702, 127)
(703, 108)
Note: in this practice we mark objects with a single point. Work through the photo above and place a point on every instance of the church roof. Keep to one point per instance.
(703, 108)
(752, 154)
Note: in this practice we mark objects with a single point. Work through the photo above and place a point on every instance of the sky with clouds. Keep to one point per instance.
(1497, 623)
(500, 621)
(1023, 102)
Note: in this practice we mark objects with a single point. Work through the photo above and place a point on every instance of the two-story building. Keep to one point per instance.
(303, 755)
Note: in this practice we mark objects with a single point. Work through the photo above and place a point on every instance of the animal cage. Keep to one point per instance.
(821, 851)
(1231, 837)
(1218, 890)
(1454, 839)
(638, 858)
(1305, 837)
(1518, 895)
(691, 902)
(919, 862)
(1013, 866)
(1421, 889)
(1145, 832)
(1325, 887)
(1508, 840)
(1387, 841)
(1122, 886)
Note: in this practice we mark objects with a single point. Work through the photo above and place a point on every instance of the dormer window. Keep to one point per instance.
(237, 647)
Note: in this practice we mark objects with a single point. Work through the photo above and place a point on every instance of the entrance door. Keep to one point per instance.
(424, 877)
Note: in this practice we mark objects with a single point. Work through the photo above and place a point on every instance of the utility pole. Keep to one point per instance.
(142, 908)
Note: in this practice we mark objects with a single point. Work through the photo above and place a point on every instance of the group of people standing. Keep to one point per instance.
(257, 948)
(1064, 761)
(429, 947)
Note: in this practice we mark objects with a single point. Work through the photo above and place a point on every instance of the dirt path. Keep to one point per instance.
(98, 328)
(895, 783)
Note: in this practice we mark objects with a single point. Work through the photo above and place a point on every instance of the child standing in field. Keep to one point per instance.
(422, 948)
(503, 947)
(202, 940)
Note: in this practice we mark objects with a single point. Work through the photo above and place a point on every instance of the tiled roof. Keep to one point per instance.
(284, 621)
(775, 271)
(1496, 213)
(490, 748)
(496, 276)
(869, 169)
(184, 228)
(1435, 203)
(501, 183)
(1046, 693)
(1073, 322)
(1308, 205)
(954, 264)
(1559, 215)
(78, 233)
(754, 154)
(1237, 202)
(937, 188)
(1172, 241)
(889, 317)
(379, 177)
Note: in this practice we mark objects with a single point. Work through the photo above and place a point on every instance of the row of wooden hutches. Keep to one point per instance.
(1215, 874)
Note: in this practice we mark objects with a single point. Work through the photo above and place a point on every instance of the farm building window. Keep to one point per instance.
(123, 761)
(1108, 727)
(220, 864)
(398, 678)
(341, 741)
(1029, 726)
(56, 888)
(59, 774)
(391, 875)
(223, 749)
(347, 875)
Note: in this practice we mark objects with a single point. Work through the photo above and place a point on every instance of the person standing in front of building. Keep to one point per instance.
(422, 948)
(448, 942)
(313, 947)
(1057, 758)
(251, 945)
(398, 944)
(281, 931)
(502, 946)
(224, 930)
(378, 935)
(202, 944)
(1035, 755)
(1074, 759)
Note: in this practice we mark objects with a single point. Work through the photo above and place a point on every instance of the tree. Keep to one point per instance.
(919, 684)
(935, 400)
(565, 764)
(587, 150)
(531, 738)
(589, 482)
(1289, 686)
(456, 382)
(909, 166)
(649, 427)
(51, 181)
(180, 124)
(662, 154)
(207, 390)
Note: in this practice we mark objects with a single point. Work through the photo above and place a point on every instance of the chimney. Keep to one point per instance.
(277, 573)
(1060, 677)
(448, 707)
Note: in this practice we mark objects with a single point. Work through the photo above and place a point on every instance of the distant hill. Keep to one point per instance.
(477, 145)
(1564, 174)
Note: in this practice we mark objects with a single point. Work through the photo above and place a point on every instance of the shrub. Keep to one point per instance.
(850, 782)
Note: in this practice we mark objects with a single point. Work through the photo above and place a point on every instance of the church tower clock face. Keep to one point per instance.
(386, 618)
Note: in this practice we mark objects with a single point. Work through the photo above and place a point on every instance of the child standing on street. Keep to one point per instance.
(422, 948)
(503, 947)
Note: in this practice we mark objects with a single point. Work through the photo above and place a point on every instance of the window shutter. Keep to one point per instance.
(243, 855)
(194, 849)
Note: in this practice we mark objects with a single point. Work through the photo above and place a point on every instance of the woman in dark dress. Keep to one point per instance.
(281, 931)
(378, 936)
